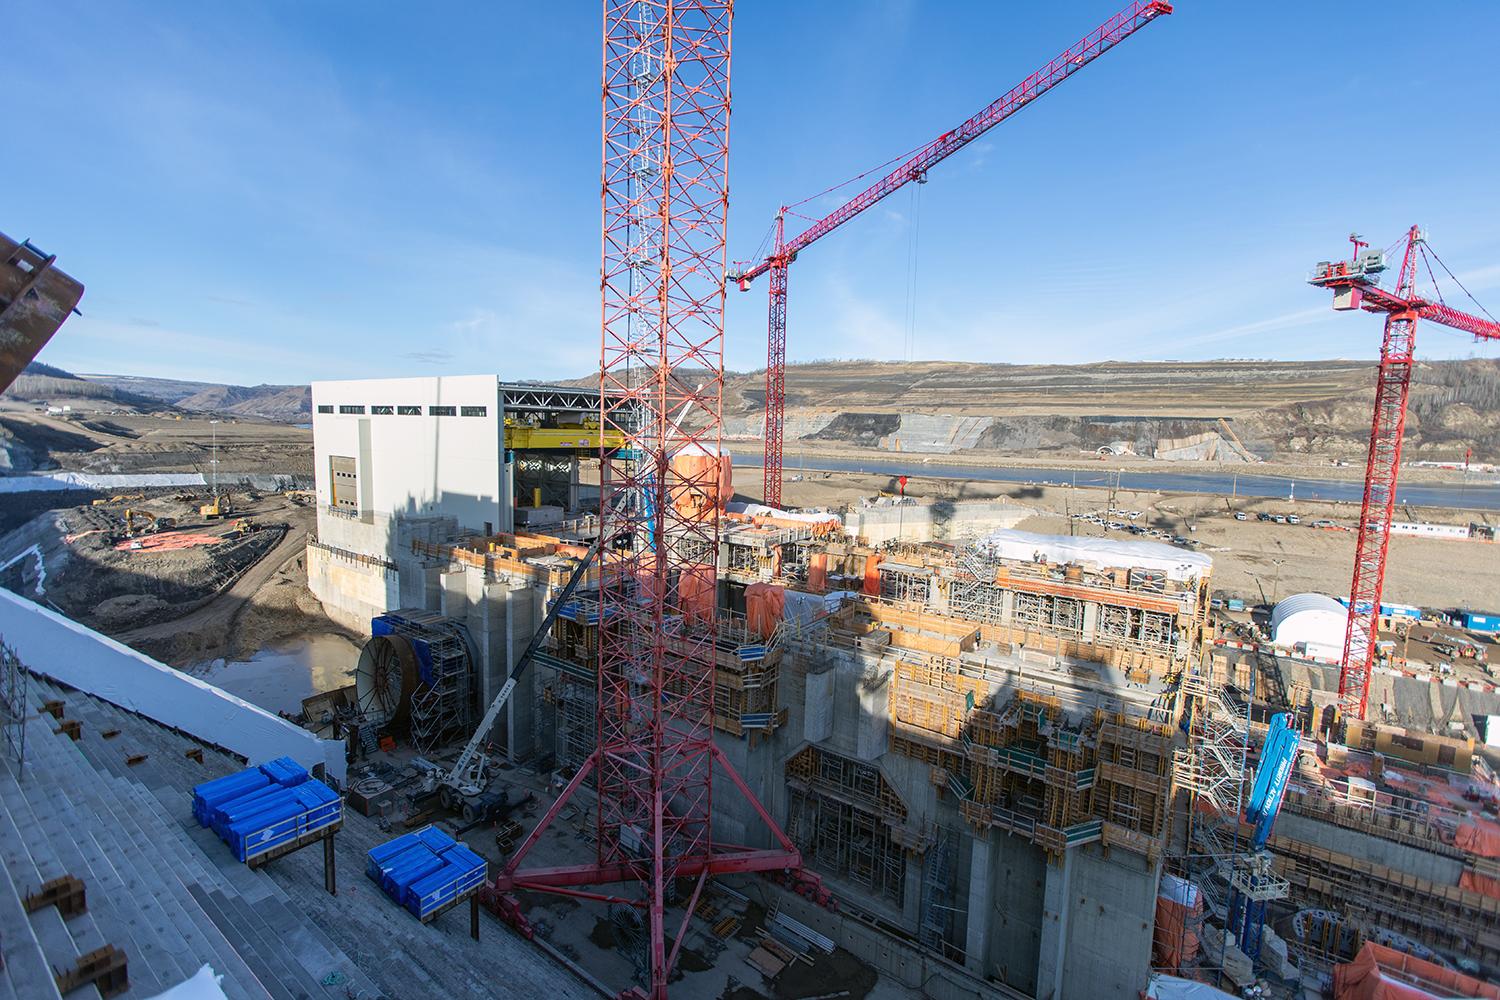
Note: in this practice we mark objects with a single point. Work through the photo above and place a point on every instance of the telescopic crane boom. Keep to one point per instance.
(914, 168)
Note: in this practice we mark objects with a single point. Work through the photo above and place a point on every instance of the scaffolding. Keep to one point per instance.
(442, 705)
(747, 674)
(13, 708)
(1059, 777)
(936, 930)
(1372, 896)
(845, 816)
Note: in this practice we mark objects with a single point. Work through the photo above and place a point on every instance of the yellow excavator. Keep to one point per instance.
(220, 507)
(143, 522)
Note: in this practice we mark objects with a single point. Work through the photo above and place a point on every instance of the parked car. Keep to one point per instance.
(1240, 515)
(1279, 518)
(1293, 519)
(1262, 516)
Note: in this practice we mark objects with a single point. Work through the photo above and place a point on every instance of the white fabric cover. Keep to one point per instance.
(53, 481)
(1314, 621)
(204, 985)
(1178, 564)
(60, 648)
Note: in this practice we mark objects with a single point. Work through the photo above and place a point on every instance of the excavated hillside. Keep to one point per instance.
(1221, 410)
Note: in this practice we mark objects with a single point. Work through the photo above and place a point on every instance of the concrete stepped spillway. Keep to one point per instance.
(114, 808)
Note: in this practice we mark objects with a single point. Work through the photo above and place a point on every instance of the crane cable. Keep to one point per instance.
(845, 183)
(1460, 284)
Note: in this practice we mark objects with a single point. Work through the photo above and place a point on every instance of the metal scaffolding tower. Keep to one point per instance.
(665, 200)
(13, 678)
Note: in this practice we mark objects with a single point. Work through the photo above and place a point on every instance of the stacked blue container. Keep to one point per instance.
(262, 808)
(425, 871)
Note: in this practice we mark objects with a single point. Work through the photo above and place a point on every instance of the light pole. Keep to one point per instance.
(214, 461)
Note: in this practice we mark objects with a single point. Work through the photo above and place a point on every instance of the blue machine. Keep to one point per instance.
(1253, 879)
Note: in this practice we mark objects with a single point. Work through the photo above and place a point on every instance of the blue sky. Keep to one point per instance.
(283, 191)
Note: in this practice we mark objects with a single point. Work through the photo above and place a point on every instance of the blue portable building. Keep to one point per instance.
(1479, 621)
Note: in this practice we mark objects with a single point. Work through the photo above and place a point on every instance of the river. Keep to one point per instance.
(278, 677)
(1478, 495)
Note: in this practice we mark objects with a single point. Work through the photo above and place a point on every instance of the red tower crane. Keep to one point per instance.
(655, 766)
(913, 168)
(1355, 286)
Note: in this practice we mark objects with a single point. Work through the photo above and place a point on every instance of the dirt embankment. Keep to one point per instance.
(200, 589)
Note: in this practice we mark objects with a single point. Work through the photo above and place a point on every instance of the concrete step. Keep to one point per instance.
(26, 974)
(175, 862)
(263, 942)
(32, 858)
(153, 942)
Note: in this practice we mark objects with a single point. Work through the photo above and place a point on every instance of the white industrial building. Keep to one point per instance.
(405, 468)
(1310, 624)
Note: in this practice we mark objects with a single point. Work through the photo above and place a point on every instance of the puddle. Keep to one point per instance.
(278, 677)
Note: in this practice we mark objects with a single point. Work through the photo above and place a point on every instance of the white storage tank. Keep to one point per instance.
(1312, 624)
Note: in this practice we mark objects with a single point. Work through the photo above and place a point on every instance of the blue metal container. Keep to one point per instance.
(435, 839)
(418, 865)
(381, 871)
(284, 771)
(442, 887)
(221, 816)
(220, 790)
(380, 854)
(307, 808)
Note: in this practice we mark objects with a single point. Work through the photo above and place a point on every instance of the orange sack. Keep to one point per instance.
(817, 572)
(1475, 882)
(696, 586)
(1476, 839)
(1174, 944)
(701, 480)
(764, 605)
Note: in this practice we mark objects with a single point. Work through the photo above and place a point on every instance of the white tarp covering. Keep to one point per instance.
(803, 608)
(204, 985)
(53, 481)
(1177, 564)
(81, 658)
(749, 509)
(1173, 988)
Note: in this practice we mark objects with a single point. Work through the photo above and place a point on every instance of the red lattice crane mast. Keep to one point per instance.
(913, 168)
(1354, 285)
(665, 198)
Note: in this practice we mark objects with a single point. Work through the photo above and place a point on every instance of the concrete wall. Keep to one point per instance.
(352, 592)
(1412, 860)
(942, 519)
(1010, 932)
(1097, 925)
(412, 465)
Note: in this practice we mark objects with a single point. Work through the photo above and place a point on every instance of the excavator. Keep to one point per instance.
(143, 522)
